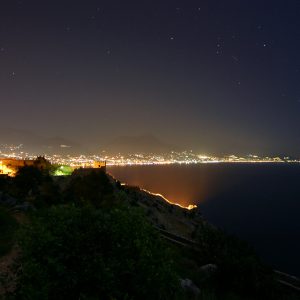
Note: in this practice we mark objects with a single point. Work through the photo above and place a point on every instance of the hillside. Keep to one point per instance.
(90, 237)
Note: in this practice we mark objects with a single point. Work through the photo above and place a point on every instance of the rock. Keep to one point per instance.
(211, 268)
(208, 270)
(190, 288)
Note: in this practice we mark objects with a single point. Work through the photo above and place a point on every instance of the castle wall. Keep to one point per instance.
(10, 166)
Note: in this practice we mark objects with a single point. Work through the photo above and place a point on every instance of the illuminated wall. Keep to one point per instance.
(11, 166)
(6, 170)
(99, 164)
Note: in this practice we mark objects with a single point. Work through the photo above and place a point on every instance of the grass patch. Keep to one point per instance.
(8, 226)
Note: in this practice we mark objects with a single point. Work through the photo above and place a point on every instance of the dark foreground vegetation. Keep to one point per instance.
(8, 226)
(88, 237)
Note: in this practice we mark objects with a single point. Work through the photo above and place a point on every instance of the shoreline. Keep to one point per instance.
(200, 163)
(189, 207)
(284, 278)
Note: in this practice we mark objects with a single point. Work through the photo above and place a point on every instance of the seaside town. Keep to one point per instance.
(12, 156)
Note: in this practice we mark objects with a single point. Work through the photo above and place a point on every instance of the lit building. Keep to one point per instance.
(99, 165)
(96, 166)
(10, 166)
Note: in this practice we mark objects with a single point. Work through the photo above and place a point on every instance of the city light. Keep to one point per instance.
(69, 162)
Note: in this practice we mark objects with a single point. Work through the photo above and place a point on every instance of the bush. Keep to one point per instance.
(73, 253)
(27, 181)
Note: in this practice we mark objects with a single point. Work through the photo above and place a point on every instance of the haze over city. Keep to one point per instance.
(213, 76)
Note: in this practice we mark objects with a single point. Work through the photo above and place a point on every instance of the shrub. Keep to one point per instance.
(36, 186)
(73, 253)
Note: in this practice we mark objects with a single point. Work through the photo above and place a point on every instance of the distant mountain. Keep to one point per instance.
(61, 145)
(138, 144)
(37, 144)
(17, 136)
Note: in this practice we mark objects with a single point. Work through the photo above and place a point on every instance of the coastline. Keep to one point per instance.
(184, 215)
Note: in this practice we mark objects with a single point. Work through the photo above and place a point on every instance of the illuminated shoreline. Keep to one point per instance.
(187, 157)
(197, 163)
(189, 207)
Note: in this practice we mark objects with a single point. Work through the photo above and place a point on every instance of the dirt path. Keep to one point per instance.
(7, 274)
(8, 277)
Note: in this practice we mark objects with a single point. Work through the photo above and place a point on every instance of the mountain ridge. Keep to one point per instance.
(36, 143)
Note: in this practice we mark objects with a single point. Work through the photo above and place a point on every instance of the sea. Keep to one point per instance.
(258, 202)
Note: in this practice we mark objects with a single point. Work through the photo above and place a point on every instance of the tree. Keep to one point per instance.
(35, 185)
(27, 181)
(94, 188)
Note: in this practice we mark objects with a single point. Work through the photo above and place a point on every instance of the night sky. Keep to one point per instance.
(215, 76)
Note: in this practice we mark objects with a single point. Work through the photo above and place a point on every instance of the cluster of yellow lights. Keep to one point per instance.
(172, 157)
(6, 170)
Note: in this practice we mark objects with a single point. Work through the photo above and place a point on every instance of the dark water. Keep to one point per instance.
(258, 202)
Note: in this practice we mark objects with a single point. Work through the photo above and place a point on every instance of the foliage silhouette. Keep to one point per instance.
(83, 253)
